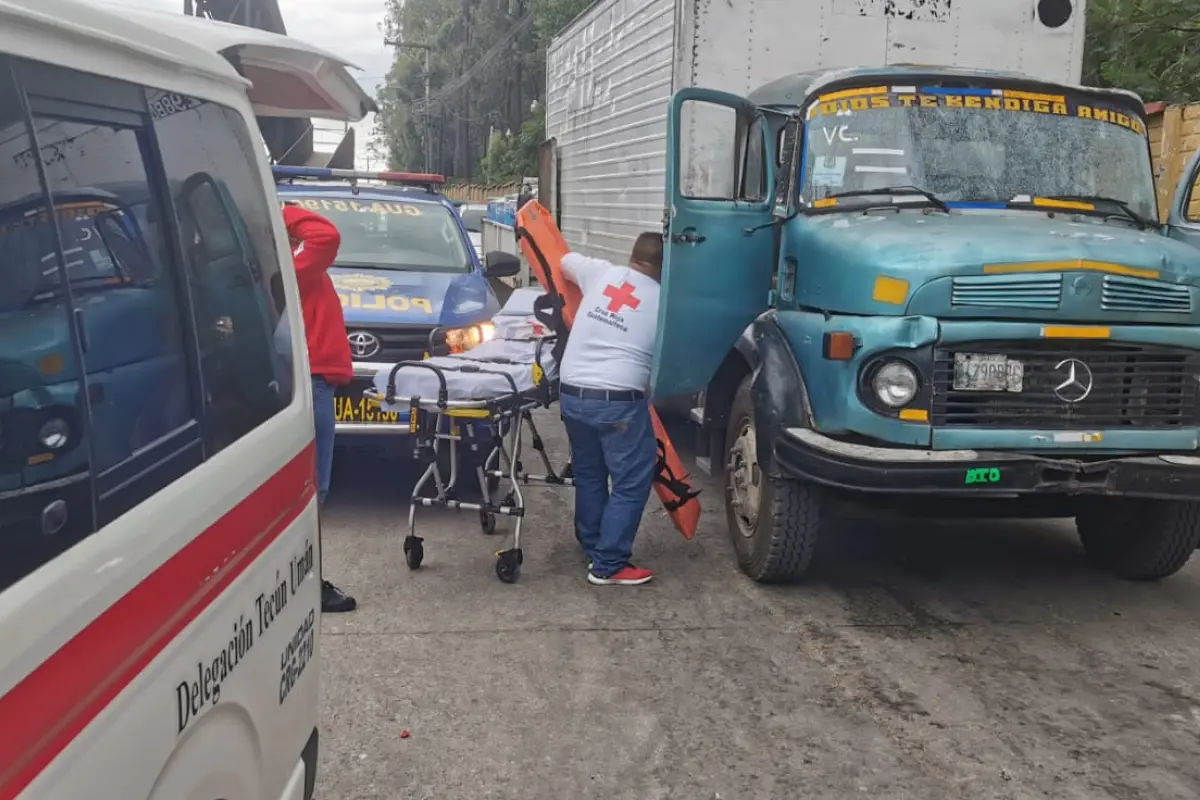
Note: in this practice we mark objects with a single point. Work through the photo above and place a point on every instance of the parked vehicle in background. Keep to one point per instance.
(405, 270)
(159, 570)
(472, 216)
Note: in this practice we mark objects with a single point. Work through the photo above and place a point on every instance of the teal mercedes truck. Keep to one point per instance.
(924, 290)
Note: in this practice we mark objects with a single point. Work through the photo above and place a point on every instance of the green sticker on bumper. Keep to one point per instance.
(982, 475)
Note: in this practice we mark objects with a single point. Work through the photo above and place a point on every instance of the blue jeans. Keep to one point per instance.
(615, 440)
(323, 418)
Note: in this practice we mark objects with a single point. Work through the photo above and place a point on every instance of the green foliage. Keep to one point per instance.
(1151, 47)
(486, 126)
(482, 80)
(511, 157)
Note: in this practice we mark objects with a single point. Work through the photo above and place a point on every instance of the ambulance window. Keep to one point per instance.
(228, 240)
(45, 489)
(126, 298)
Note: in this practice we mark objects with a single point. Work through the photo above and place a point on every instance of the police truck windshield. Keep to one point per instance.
(977, 146)
(421, 237)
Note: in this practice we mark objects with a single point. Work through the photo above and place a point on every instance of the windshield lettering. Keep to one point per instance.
(405, 209)
(380, 302)
(1002, 100)
(977, 146)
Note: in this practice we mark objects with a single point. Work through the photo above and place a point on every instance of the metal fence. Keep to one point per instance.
(480, 193)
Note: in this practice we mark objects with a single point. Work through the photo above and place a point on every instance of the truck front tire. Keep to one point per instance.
(1141, 540)
(774, 522)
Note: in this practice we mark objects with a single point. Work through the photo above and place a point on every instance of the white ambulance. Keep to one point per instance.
(159, 553)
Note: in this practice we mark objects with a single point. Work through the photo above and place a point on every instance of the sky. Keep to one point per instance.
(352, 32)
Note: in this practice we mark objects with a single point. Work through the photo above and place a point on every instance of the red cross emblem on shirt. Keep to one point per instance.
(621, 297)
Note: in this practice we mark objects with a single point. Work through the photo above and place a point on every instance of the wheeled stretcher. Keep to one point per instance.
(500, 381)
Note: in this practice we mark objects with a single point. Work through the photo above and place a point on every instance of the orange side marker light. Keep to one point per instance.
(839, 346)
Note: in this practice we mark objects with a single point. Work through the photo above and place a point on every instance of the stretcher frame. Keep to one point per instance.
(502, 464)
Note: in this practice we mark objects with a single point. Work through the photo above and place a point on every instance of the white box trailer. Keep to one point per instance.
(610, 73)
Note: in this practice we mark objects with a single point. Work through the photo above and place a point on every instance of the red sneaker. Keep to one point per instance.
(626, 576)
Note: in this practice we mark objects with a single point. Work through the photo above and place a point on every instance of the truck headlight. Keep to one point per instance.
(54, 434)
(460, 340)
(895, 384)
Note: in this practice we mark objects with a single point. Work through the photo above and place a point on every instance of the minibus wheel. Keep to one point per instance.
(774, 522)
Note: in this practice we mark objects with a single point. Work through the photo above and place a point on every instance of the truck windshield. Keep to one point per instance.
(977, 146)
(100, 251)
(421, 237)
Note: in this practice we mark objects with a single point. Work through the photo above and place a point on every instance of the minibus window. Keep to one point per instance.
(129, 311)
(225, 222)
(45, 469)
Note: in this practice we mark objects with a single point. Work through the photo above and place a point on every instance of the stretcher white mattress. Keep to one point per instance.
(512, 352)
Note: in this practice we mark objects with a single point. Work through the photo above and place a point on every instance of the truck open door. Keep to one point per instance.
(719, 244)
(1184, 219)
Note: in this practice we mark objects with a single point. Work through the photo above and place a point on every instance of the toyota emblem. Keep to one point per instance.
(363, 344)
(1076, 382)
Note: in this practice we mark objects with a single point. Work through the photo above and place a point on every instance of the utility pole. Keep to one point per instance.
(428, 111)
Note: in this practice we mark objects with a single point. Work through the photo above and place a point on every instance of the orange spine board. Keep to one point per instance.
(543, 245)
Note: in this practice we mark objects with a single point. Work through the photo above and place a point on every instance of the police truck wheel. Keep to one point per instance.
(1139, 539)
(774, 522)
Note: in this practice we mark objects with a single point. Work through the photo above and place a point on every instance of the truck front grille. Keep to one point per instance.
(396, 342)
(1133, 386)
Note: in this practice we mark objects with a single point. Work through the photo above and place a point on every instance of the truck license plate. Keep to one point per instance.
(985, 372)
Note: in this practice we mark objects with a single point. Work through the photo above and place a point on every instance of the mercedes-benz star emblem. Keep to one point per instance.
(363, 344)
(1077, 380)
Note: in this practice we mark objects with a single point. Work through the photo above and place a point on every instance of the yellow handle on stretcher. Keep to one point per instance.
(472, 413)
(538, 374)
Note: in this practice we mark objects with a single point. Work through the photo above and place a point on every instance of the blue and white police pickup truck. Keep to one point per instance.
(406, 267)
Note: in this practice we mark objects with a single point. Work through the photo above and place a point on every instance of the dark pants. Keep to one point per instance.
(609, 439)
(324, 421)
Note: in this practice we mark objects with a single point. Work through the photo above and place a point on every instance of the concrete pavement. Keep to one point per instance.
(949, 660)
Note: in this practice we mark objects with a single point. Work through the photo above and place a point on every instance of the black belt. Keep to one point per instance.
(615, 395)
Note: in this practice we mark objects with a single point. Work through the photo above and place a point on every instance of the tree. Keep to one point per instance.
(487, 73)
(1151, 47)
(488, 66)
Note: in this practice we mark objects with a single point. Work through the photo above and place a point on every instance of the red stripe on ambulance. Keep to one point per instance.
(53, 704)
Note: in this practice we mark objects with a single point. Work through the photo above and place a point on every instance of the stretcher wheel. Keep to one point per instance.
(508, 565)
(487, 522)
(414, 551)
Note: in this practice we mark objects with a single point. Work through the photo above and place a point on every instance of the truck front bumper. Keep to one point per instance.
(812, 457)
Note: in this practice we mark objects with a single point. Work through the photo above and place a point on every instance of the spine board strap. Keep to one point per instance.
(548, 308)
(666, 476)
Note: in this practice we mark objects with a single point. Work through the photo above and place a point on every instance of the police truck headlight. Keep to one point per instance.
(460, 340)
(895, 384)
(54, 434)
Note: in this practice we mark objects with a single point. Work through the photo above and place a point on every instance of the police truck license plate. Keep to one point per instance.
(985, 372)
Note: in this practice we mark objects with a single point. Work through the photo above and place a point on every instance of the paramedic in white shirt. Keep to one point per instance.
(604, 377)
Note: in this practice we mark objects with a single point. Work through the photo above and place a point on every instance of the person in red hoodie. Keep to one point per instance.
(315, 243)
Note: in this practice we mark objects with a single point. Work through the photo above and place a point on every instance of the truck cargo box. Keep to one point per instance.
(610, 72)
